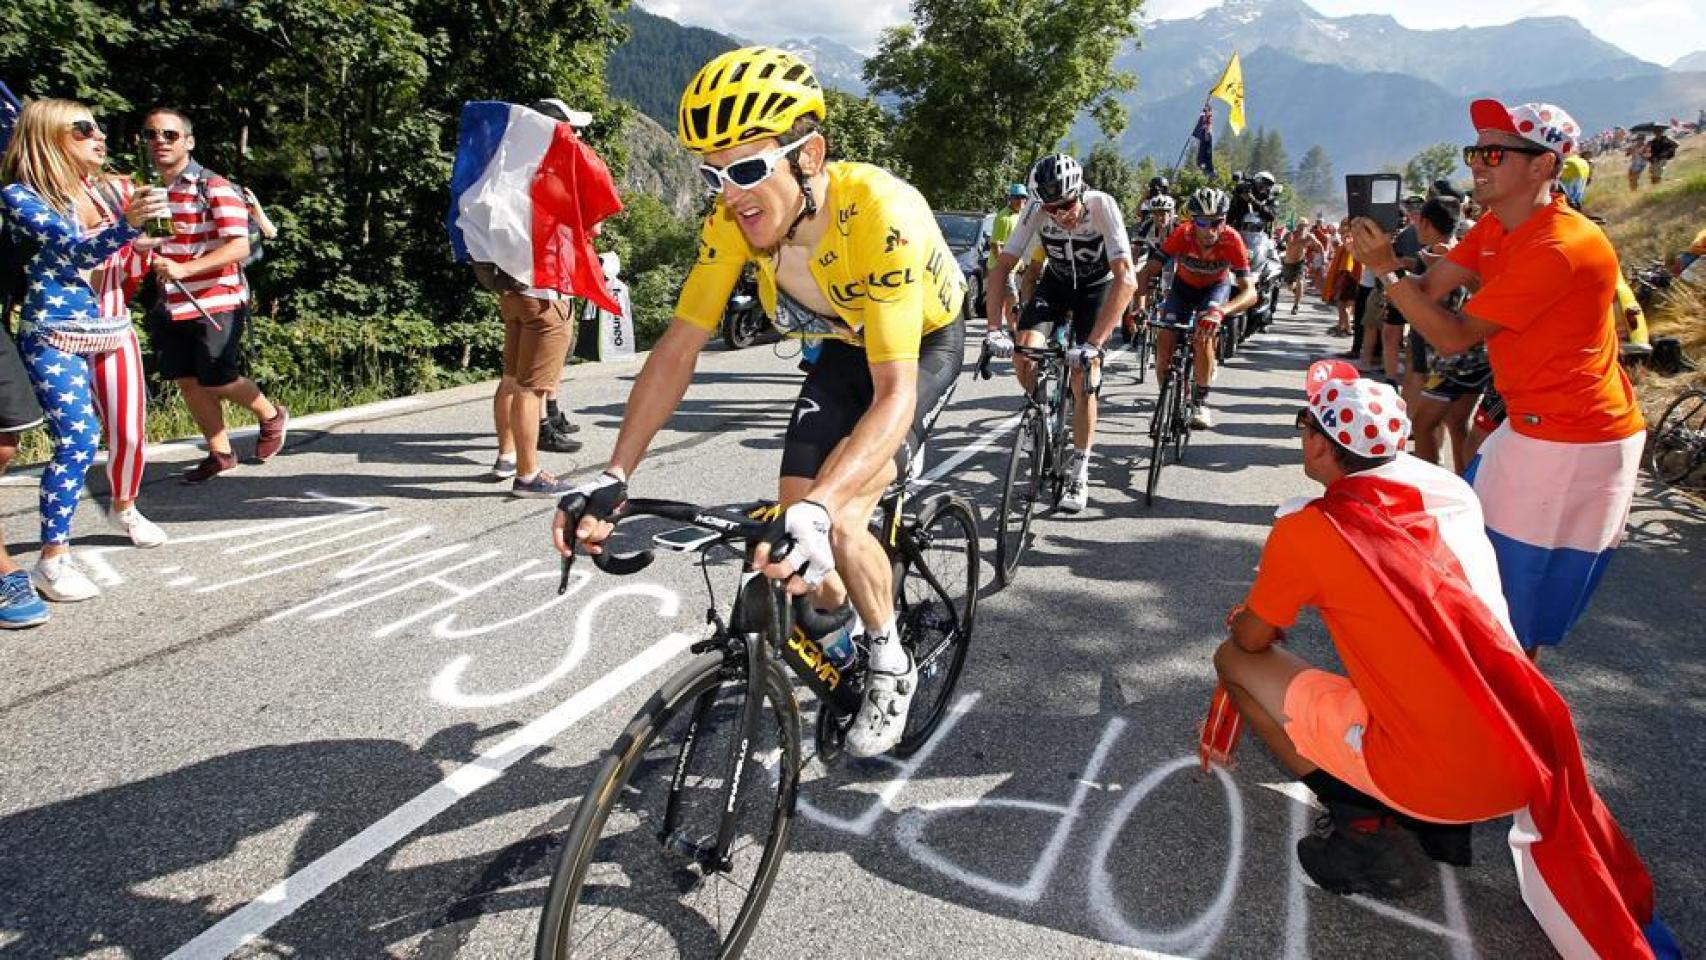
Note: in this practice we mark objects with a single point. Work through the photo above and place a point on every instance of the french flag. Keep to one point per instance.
(1417, 529)
(525, 195)
(1555, 513)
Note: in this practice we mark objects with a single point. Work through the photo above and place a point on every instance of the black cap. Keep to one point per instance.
(1442, 213)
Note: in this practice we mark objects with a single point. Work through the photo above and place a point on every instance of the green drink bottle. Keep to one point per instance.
(155, 226)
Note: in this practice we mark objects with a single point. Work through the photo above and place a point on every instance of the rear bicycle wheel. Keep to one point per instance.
(1019, 493)
(638, 875)
(936, 605)
(1679, 443)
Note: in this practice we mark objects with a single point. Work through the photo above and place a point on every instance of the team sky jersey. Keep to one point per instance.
(1199, 269)
(1148, 234)
(1082, 256)
(882, 265)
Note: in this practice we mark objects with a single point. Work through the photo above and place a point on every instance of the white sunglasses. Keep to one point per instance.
(750, 171)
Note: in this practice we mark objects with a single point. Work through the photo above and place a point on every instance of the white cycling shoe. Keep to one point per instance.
(882, 717)
(1202, 418)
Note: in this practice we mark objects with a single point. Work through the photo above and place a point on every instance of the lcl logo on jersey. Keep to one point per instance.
(828, 260)
(844, 217)
(881, 287)
(847, 294)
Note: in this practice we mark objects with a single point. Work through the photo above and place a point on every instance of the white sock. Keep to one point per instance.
(1083, 463)
(529, 478)
(886, 652)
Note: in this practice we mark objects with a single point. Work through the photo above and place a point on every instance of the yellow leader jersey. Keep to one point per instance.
(882, 264)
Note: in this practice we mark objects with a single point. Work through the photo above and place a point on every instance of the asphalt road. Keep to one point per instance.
(345, 713)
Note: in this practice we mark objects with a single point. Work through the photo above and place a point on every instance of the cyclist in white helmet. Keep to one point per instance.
(1087, 273)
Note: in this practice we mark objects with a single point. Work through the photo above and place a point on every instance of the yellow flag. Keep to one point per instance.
(1231, 89)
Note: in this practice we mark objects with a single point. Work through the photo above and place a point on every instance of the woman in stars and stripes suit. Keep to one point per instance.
(76, 338)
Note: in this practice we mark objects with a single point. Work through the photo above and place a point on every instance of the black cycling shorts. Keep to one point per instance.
(1054, 299)
(838, 391)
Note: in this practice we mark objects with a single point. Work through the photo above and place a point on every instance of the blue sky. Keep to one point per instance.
(1657, 30)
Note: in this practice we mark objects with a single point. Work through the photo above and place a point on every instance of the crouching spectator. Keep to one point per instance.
(1441, 721)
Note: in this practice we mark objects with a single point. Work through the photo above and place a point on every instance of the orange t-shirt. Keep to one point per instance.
(1428, 749)
(1549, 285)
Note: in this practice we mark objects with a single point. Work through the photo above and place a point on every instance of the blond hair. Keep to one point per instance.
(37, 158)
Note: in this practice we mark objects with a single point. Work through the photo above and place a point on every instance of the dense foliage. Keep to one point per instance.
(341, 115)
(985, 87)
(653, 66)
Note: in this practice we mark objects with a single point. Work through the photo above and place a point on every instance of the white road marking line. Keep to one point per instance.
(904, 770)
(293, 892)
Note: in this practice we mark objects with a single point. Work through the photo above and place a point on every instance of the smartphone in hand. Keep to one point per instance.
(1375, 196)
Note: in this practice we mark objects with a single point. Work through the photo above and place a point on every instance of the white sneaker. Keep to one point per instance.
(142, 531)
(59, 578)
(1076, 496)
(882, 717)
(1202, 418)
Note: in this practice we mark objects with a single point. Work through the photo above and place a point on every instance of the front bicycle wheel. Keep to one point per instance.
(639, 874)
(936, 603)
(1679, 443)
(1144, 345)
(1019, 493)
(1161, 431)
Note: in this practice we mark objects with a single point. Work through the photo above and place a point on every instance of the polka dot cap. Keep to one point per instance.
(1366, 417)
(1542, 124)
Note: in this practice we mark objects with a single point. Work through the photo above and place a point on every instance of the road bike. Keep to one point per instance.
(1037, 464)
(679, 837)
(1170, 425)
(1679, 443)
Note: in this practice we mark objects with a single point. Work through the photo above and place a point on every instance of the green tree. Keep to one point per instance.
(1107, 170)
(986, 87)
(1437, 162)
(1274, 158)
(858, 128)
(1314, 181)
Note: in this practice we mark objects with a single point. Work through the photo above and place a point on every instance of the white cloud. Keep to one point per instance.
(1656, 30)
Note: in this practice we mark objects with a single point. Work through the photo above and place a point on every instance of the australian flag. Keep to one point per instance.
(1204, 136)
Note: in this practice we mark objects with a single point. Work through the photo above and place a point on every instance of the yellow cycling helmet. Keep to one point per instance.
(745, 95)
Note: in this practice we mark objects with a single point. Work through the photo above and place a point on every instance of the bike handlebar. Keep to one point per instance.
(730, 520)
(1034, 353)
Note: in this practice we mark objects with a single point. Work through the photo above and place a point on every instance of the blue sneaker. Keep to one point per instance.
(542, 485)
(19, 605)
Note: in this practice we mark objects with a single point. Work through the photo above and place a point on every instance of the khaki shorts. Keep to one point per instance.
(537, 338)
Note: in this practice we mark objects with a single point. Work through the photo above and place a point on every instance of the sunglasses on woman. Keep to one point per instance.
(85, 129)
(749, 172)
(1493, 154)
(169, 136)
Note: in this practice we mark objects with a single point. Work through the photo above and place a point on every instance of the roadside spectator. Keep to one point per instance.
(199, 324)
(1291, 266)
(1005, 220)
(1636, 151)
(1390, 323)
(555, 427)
(1443, 390)
(1556, 480)
(1438, 721)
(1574, 180)
(1660, 151)
(76, 338)
(538, 335)
(19, 413)
(1340, 288)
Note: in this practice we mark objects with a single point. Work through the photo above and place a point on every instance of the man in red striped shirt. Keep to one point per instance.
(198, 339)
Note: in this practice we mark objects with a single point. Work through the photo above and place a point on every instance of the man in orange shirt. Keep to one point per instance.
(1440, 721)
(1557, 479)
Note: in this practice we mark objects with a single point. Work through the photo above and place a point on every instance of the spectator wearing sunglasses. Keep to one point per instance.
(76, 338)
(199, 323)
(1557, 478)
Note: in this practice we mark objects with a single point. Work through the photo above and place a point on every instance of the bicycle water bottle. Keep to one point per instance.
(838, 646)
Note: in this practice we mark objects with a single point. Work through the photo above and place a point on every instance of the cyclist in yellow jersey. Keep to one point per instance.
(849, 255)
